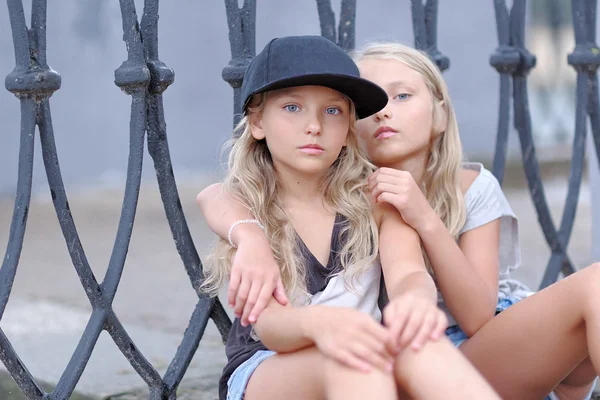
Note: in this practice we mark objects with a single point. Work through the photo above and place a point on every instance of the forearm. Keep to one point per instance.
(418, 282)
(470, 300)
(221, 211)
(286, 329)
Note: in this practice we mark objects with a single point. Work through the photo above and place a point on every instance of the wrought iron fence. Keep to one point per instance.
(144, 77)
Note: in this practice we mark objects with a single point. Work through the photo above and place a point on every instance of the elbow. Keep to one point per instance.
(477, 320)
(207, 193)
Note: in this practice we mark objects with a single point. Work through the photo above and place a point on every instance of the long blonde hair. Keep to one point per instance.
(253, 180)
(441, 181)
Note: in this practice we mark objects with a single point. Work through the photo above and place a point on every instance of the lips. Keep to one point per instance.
(312, 149)
(384, 132)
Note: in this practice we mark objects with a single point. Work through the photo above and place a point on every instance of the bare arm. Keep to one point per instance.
(221, 210)
(255, 274)
(401, 258)
(412, 314)
(285, 329)
(344, 334)
(467, 275)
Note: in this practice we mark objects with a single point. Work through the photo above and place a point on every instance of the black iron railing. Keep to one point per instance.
(144, 77)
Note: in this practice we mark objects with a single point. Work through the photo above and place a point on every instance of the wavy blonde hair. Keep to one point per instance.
(253, 180)
(441, 181)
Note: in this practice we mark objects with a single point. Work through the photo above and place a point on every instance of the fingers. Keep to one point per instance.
(395, 320)
(261, 302)
(242, 295)
(372, 357)
(378, 354)
(388, 175)
(380, 188)
(234, 284)
(440, 327)
(255, 288)
(411, 328)
(280, 293)
(424, 333)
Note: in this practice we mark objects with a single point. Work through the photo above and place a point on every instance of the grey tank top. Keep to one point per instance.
(325, 284)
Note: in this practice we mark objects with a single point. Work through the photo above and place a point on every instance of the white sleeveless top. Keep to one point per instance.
(485, 202)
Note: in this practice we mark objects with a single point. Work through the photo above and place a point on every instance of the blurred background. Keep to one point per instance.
(48, 308)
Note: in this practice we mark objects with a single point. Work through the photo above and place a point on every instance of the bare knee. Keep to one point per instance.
(343, 382)
(590, 281)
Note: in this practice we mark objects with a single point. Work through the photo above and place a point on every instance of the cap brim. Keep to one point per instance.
(368, 98)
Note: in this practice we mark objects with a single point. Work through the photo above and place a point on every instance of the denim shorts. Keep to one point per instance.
(236, 385)
(457, 337)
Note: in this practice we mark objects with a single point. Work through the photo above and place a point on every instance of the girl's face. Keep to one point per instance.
(305, 128)
(403, 129)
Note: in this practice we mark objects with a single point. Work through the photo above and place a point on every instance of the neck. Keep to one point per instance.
(298, 190)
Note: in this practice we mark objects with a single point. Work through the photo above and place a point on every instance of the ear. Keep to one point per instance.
(440, 117)
(256, 128)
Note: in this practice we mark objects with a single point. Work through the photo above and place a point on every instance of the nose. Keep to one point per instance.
(384, 113)
(313, 125)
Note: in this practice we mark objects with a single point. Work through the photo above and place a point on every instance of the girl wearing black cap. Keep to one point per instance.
(299, 171)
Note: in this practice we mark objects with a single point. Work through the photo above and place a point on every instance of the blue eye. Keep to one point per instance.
(402, 96)
(333, 111)
(291, 107)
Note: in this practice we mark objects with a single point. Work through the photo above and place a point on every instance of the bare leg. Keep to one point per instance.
(306, 374)
(527, 350)
(440, 371)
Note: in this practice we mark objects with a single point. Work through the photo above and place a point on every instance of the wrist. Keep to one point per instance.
(430, 223)
(311, 319)
(249, 232)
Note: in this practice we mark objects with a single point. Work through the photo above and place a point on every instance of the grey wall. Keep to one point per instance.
(91, 115)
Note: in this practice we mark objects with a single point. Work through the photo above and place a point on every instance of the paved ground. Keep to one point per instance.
(48, 310)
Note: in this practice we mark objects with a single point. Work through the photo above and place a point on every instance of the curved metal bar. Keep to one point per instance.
(18, 371)
(133, 77)
(132, 191)
(63, 211)
(135, 357)
(19, 33)
(71, 375)
(22, 201)
(189, 345)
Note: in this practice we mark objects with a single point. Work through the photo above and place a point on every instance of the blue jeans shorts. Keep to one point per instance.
(236, 385)
(457, 337)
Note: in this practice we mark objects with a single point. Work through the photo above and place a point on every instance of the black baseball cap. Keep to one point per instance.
(310, 60)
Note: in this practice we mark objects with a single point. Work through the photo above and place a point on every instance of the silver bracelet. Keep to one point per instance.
(239, 222)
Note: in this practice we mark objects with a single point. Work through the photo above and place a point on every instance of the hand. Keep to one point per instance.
(255, 278)
(413, 319)
(399, 189)
(352, 338)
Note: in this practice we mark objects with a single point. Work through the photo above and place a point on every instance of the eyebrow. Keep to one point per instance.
(400, 83)
(286, 93)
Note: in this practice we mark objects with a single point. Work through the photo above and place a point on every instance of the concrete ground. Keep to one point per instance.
(48, 310)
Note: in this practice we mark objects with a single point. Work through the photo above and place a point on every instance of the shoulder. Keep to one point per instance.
(475, 179)
(467, 177)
